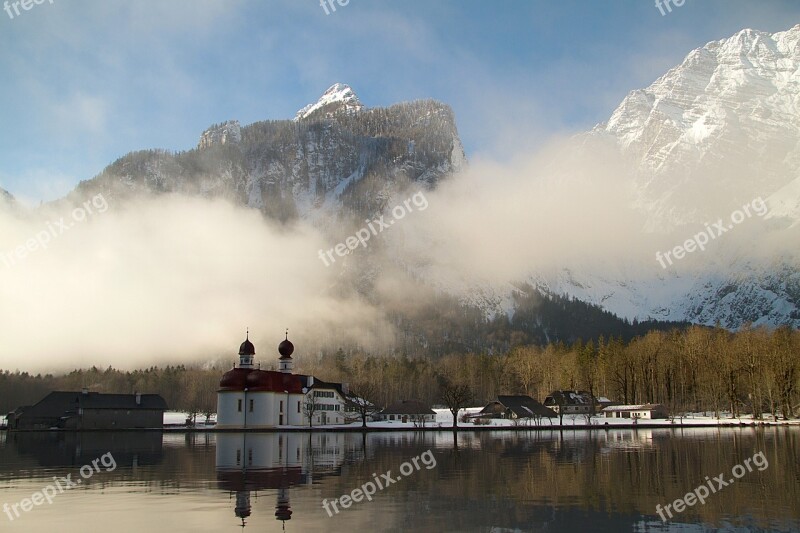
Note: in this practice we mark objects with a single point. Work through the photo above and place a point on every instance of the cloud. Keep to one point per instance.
(500, 222)
(171, 279)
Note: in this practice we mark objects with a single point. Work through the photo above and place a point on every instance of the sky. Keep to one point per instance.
(85, 82)
(127, 284)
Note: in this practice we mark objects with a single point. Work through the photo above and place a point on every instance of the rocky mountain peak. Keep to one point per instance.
(338, 98)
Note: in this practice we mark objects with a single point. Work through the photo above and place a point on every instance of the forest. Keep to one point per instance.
(694, 369)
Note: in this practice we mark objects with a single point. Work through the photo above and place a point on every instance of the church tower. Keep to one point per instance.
(286, 349)
(246, 353)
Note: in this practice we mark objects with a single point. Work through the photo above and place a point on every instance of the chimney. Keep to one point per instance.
(310, 381)
(138, 398)
(85, 391)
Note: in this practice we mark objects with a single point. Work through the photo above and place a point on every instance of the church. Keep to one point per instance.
(251, 398)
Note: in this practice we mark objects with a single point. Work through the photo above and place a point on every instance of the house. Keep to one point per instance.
(89, 411)
(326, 402)
(571, 402)
(515, 407)
(251, 398)
(647, 411)
(407, 411)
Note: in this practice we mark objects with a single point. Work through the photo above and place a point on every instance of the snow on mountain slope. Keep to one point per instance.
(711, 135)
(786, 203)
(338, 98)
(725, 121)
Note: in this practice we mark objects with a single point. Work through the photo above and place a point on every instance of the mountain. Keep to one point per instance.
(336, 158)
(726, 119)
(339, 98)
(339, 161)
(714, 133)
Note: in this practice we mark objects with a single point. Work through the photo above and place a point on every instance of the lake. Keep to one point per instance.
(498, 481)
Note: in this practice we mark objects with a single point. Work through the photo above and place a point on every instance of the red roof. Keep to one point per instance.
(260, 381)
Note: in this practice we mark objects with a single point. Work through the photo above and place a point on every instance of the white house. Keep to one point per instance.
(251, 398)
(647, 411)
(325, 401)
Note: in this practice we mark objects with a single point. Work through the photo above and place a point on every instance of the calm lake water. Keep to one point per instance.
(500, 481)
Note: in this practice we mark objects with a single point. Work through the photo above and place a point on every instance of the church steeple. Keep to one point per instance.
(246, 353)
(286, 349)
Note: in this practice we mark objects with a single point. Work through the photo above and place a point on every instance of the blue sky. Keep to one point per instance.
(84, 82)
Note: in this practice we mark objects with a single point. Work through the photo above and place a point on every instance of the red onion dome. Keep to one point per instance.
(234, 380)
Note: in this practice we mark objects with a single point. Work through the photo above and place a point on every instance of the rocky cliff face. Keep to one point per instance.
(336, 157)
(221, 134)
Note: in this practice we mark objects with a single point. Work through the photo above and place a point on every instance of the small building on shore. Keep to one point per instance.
(570, 402)
(648, 411)
(515, 407)
(407, 411)
(90, 411)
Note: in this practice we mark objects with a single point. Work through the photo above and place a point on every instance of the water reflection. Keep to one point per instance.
(52, 449)
(251, 462)
(604, 480)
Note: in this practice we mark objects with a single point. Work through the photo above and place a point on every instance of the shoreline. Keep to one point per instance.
(388, 429)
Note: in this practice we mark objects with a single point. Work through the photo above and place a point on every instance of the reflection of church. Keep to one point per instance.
(251, 462)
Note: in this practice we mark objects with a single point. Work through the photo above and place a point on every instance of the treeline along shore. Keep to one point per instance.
(697, 369)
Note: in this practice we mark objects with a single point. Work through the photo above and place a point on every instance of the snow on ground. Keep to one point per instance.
(175, 418)
(444, 420)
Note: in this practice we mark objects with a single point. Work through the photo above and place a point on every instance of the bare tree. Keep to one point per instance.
(455, 397)
(310, 407)
(360, 398)
(419, 420)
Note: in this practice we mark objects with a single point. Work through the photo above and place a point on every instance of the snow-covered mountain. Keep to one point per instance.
(714, 133)
(726, 119)
(720, 129)
(336, 158)
(339, 98)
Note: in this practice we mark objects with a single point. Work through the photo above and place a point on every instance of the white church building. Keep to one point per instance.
(251, 398)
